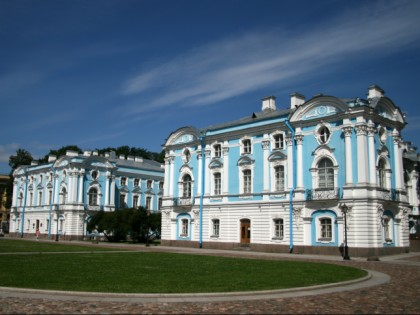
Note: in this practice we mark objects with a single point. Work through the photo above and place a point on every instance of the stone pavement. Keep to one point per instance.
(393, 288)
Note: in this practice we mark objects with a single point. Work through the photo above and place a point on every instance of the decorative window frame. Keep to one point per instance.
(138, 196)
(245, 163)
(93, 172)
(273, 226)
(186, 155)
(148, 197)
(242, 145)
(318, 133)
(184, 220)
(136, 182)
(213, 228)
(383, 156)
(388, 228)
(273, 165)
(99, 195)
(321, 153)
(217, 153)
(185, 171)
(382, 134)
(273, 140)
(123, 181)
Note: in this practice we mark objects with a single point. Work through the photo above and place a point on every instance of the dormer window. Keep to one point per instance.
(217, 150)
(324, 135)
(246, 146)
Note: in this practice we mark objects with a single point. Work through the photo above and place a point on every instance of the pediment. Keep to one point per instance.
(185, 167)
(137, 190)
(318, 108)
(322, 149)
(183, 135)
(215, 163)
(124, 189)
(277, 155)
(245, 160)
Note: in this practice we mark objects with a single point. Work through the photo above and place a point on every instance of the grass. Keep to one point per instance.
(137, 272)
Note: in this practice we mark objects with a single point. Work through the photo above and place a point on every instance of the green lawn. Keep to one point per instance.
(136, 272)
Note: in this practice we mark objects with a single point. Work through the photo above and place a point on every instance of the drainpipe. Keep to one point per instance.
(292, 191)
(52, 201)
(203, 156)
(24, 205)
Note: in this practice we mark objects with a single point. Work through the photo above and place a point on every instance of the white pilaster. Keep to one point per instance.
(362, 154)
(347, 130)
(289, 142)
(80, 195)
(398, 161)
(207, 171)
(166, 179)
(299, 162)
(372, 155)
(200, 171)
(108, 177)
(112, 201)
(266, 168)
(225, 184)
(171, 175)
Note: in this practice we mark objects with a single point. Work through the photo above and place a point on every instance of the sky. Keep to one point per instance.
(108, 73)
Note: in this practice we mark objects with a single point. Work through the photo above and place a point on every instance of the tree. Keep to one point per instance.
(120, 224)
(60, 152)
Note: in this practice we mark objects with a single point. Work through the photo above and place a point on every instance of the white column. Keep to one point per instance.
(207, 172)
(56, 189)
(171, 175)
(70, 191)
(80, 195)
(347, 130)
(225, 183)
(112, 201)
(200, 171)
(15, 194)
(266, 168)
(108, 177)
(398, 161)
(299, 161)
(372, 155)
(414, 197)
(289, 142)
(166, 180)
(74, 186)
(362, 154)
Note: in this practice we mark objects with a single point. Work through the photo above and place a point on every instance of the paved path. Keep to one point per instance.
(393, 287)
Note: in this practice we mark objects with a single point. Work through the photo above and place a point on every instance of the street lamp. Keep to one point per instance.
(345, 209)
(148, 228)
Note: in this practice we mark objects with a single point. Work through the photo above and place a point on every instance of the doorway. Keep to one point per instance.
(245, 231)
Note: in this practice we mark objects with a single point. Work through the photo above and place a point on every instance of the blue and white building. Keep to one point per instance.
(279, 179)
(58, 198)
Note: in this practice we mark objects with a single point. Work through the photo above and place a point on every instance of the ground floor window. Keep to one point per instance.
(184, 227)
(278, 229)
(326, 229)
(216, 227)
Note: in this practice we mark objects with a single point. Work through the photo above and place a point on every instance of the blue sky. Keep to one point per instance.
(109, 73)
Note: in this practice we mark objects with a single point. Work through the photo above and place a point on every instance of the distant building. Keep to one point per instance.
(4, 211)
(59, 197)
(279, 180)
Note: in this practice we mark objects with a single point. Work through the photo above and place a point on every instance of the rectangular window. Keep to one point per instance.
(184, 231)
(160, 185)
(148, 202)
(247, 182)
(31, 199)
(278, 141)
(279, 178)
(278, 228)
(122, 201)
(40, 198)
(149, 184)
(49, 197)
(123, 181)
(246, 146)
(217, 150)
(216, 227)
(326, 229)
(135, 202)
(217, 184)
(136, 182)
(159, 203)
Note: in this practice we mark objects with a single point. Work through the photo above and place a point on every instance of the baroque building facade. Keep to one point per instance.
(281, 180)
(57, 198)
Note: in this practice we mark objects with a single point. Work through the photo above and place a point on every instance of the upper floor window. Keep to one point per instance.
(217, 184)
(187, 156)
(246, 146)
(279, 178)
(217, 150)
(325, 173)
(278, 141)
(160, 185)
(148, 202)
(324, 134)
(123, 181)
(149, 184)
(95, 174)
(159, 203)
(93, 197)
(122, 201)
(186, 186)
(382, 174)
(136, 182)
(135, 201)
(40, 198)
(41, 178)
(247, 181)
(63, 196)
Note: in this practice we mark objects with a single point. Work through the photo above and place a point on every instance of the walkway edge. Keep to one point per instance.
(373, 278)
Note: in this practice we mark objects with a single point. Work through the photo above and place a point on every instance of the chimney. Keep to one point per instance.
(95, 153)
(71, 153)
(375, 91)
(130, 158)
(107, 154)
(268, 103)
(122, 157)
(296, 99)
(51, 158)
(86, 153)
(33, 163)
(138, 159)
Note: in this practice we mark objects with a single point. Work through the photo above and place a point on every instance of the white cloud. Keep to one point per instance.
(233, 66)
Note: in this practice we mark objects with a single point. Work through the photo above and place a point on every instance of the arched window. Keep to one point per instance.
(325, 173)
(63, 196)
(186, 186)
(93, 197)
(382, 173)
